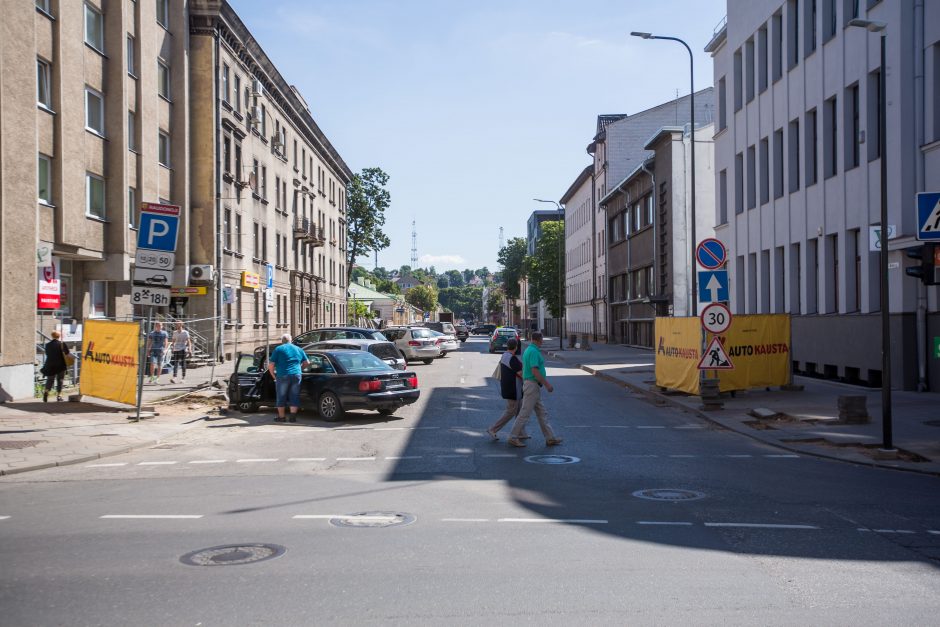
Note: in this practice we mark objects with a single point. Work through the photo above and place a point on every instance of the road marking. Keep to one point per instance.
(406, 457)
(423, 428)
(259, 459)
(106, 465)
(463, 405)
(390, 428)
(208, 461)
(736, 456)
(501, 455)
(683, 456)
(615, 426)
(689, 427)
(329, 516)
(664, 523)
(651, 427)
(157, 463)
(154, 516)
(351, 428)
(581, 521)
(463, 380)
(783, 456)
(887, 530)
(465, 520)
(453, 456)
(355, 459)
(760, 525)
(4, 517)
(934, 532)
(306, 459)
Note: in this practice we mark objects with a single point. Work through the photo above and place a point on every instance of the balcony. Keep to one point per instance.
(307, 231)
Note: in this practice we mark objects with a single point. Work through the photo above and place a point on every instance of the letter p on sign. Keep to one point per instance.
(158, 231)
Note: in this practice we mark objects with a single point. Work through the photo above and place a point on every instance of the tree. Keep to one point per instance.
(467, 276)
(386, 286)
(466, 301)
(546, 265)
(455, 278)
(512, 257)
(443, 283)
(495, 300)
(424, 297)
(366, 202)
(380, 273)
(358, 311)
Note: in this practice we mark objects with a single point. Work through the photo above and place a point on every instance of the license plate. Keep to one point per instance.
(394, 385)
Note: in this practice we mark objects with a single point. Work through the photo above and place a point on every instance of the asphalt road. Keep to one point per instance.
(422, 519)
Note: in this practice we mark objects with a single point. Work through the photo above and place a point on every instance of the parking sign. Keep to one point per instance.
(159, 225)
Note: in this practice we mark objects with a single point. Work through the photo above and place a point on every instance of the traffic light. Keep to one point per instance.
(929, 269)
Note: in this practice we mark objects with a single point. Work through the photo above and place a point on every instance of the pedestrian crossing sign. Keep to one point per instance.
(928, 216)
(715, 357)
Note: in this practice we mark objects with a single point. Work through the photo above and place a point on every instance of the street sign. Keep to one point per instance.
(711, 253)
(270, 277)
(158, 227)
(874, 236)
(48, 290)
(153, 277)
(190, 291)
(269, 300)
(716, 318)
(928, 216)
(158, 260)
(715, 357)
(155, 296)
(713, 286)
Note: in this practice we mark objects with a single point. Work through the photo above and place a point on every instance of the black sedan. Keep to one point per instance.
(334, 381)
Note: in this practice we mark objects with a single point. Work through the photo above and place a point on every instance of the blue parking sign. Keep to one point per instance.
(157, 231)
(270, 276)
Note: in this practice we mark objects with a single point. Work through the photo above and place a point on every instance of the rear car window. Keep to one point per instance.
(385, 351)
(421, 333)
(354, 361)
(511, 332)
(449, 328)
(377, 335)
(319, 364)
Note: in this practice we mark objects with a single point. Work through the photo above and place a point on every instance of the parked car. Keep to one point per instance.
(462, 332)
(415, 343)
(338, 333)
(334, 381)
(384, 350)
(501, 336)
(483, 329)
(447, 343)
(447, 328)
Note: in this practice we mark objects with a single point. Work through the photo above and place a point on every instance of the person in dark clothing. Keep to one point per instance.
(510, 385)
(55, 366)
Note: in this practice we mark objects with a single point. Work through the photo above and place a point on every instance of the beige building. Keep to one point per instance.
(581, 312)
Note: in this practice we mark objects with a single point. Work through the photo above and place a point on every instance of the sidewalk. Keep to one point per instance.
(35, 435)
(806, 422)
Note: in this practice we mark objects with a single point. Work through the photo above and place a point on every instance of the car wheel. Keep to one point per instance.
(427, 362)
(248, 407)
(329, 407)
(387, 412)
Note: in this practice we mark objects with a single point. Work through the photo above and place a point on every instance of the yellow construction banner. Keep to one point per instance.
(758, 347)
(109, 360)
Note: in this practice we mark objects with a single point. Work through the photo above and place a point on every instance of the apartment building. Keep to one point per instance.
(581, 315)
(268, 189)
(538, 313)
(797, 159)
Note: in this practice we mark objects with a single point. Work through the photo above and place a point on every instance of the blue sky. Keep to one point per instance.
(474, 109)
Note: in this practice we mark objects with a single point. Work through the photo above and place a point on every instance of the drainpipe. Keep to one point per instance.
(220, 345)
(593, 259)
(920, 134)
(655, 229)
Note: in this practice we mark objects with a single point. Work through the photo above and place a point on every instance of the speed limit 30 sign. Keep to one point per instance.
(716, 318)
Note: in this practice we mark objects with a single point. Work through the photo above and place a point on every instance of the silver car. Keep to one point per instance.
(386, 351)
(415, 343)
(447, 342)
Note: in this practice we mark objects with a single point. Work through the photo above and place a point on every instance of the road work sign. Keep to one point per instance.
(715, 357)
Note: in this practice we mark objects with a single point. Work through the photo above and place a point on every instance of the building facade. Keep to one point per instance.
(797, 159)
(539, 316)
(580, 261)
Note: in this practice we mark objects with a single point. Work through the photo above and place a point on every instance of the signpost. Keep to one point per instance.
(714, 292)
(716, 318)
(713, 286)
(711, 254)
(928, 216)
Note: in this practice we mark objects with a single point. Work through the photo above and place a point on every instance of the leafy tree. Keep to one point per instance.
(380, 273)
(512, 257)
(357, 311)
(386, 286)
(466, 301)
(424, 297)
(454, 278)
(495, 300)
(366, 202)
(442, 283)
(483, 272)
(404, 270)
(546, 265)
(467, 276)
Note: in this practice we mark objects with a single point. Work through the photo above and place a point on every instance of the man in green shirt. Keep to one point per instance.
(533, 379)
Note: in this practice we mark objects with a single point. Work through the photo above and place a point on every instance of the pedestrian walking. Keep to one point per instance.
(57, 358)
(156, 347)
(510, 385)
(284, 365)
(182, 347)
(533, 379)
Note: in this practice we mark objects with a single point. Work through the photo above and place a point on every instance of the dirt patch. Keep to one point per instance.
(760, 425)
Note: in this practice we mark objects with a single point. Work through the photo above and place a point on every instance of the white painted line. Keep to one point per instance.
(582, 521)
(577, 426)
(208, 461)
(4, 517)
(463, 380)
(783, 456)
(651, 427)
(157, 463)
(664, 522)
(155, 516)
(453, 456)
(736, 456)
(106, 465)
(615, 426)
(351, 428)
(306, 459)
(502, 455)
(934, 532)
(260, 459)
(463, 405)
(406, 457)
(355, 459)
(683, 456)
(761, 525)
(328, 516)
(390, 428)
(465, 520)
(890, 531)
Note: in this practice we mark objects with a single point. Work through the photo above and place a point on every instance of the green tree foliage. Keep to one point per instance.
(512, 257)
(467, 275)
(424, 297)
(466, 301)
(546, 265)
(454, 278)
(495, 300)
(387, 287)
(359, 311)
(380, 273)
(366, 202)
(442, 283)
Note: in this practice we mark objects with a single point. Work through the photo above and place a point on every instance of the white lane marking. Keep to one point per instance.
(783, 456)
(157, 463)
(683, 456)
(582, 521)
(651, 427)
(329, 516)
(306, 459)
(355, 459)
(615, 426)
(154, 516)
(465, 520)
(352, 428)
(257, 459)
(736, 456)
(4, 517)
(664, 522)
(390, 428)
(887, 530)
(501, 455)
(406, 457)
(463, 405)
(934, 532)
(453, 456)
(106, 465)
(760, 525)
(208, 461)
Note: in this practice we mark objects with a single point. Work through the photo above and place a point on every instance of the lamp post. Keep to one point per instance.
(561, 274)
(352, 291)
(694, 310)
(880, 27)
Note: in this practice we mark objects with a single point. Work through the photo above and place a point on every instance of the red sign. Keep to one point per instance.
(48, 291)
(169, 210)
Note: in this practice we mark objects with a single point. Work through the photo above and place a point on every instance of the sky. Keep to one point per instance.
(474, 109)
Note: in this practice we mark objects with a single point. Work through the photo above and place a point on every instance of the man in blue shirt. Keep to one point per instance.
(533, 378)
(156, 345)
(284, 365)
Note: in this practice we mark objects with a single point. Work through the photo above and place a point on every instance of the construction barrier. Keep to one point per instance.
(758, 347)
(109, 360)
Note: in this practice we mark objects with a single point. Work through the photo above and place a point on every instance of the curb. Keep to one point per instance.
(79, 460)
(663, 399)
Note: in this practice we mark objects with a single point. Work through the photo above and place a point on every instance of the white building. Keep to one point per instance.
(581, 315)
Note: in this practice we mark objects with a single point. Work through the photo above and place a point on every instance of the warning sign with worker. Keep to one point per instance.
(715, 357)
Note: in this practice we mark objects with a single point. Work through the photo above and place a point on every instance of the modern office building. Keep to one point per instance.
(797, 159)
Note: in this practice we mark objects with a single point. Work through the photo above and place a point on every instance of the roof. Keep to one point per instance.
(578, 182)
(664, 130)
(604, 120)
(618, 189)
(365, 293)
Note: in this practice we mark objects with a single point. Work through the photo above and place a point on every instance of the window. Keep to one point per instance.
(935, 79)
(739, 183)
(277, 192)
(256, 245)
(238, 93)
(829, 20)
(793, 34)
(98, 290)
(131, 57)
(749, 69)
(723, 197)
(227, 154)
(131, 207)
(830, 138)
(163, 13)
(277, 248)
(227, 228)
(94, 196)
(44, 179)
(44, 6)
(849, 11)
(94, 28)
(238, 161)
(163, 149)
(131, 130)
(94, 111)
(264, 181)
(812, 147)
(778, 163)
(264, 243)
(238, 232)
(225, 86)
(850, 115)
(764, 171)
(163, 79)
(738, 82)
(762, 59)
(751, 178)
(809, 27)
(776, 33)
(43, 84)
(873, 134)
(793, 153)
(264, 121)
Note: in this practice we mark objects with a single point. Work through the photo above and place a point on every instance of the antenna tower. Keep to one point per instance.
(414, 246)
(501, 240)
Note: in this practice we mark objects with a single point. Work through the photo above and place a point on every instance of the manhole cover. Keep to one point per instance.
(233, 555)
(9, 445)
(552, 459)
(669, 494)
(373, 519)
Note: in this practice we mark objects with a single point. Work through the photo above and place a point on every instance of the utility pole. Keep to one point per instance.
(414, 246)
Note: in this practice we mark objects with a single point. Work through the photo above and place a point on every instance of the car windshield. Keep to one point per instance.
(378, 335)
(384, 351)
(360, 361)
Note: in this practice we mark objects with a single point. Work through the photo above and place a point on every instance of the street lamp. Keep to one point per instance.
(880, 27)
(694, 300)
(561, 274)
